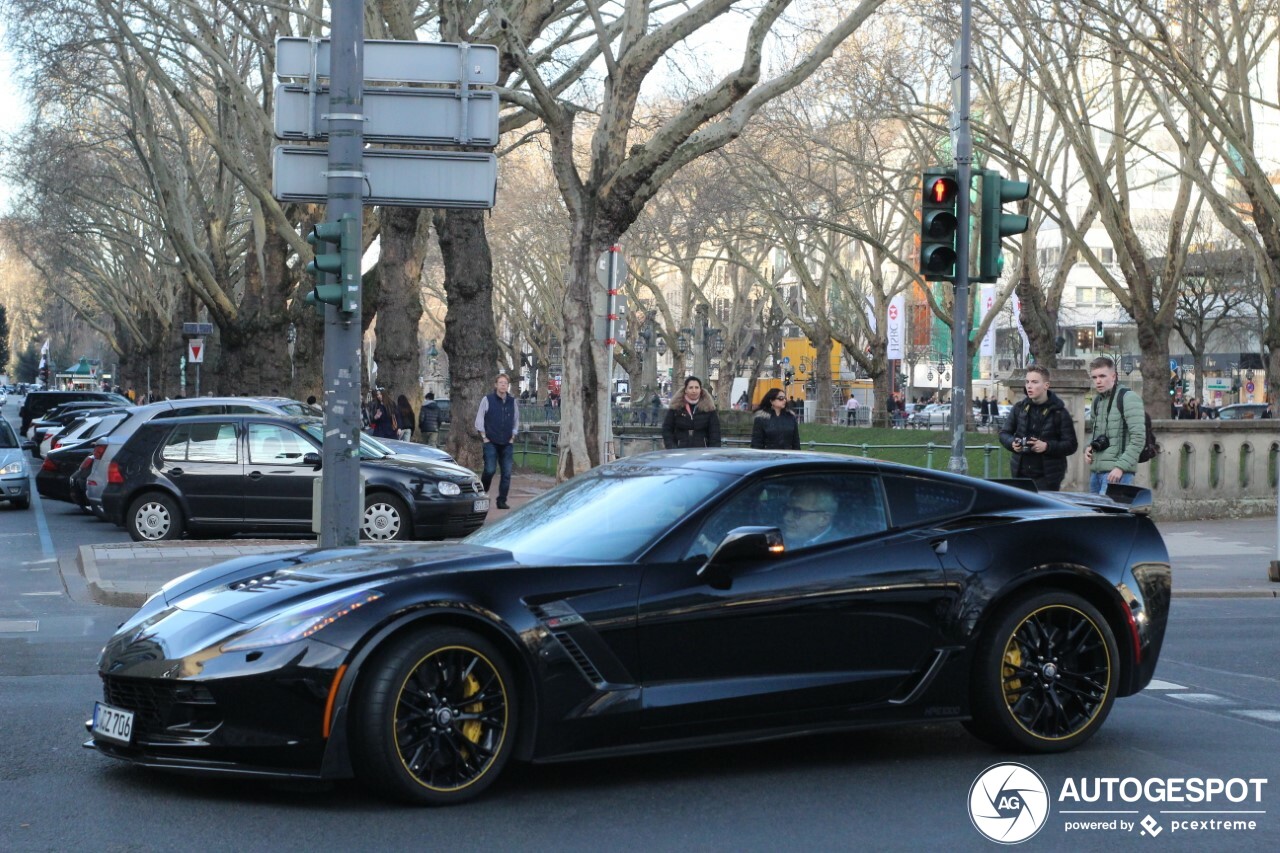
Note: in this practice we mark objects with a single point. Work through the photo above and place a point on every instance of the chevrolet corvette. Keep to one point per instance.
(668, 600)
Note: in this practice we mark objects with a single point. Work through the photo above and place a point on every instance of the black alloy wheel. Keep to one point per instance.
(154, 517)
(435, 721)
(1045, 674)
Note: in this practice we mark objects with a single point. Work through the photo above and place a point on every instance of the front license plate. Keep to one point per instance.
(481, 505)
(113, 724)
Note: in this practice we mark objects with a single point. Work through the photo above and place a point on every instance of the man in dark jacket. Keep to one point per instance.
(1040, 433)
(429, 420)
(498, 421)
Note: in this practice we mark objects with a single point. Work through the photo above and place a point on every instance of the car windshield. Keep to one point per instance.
(7, 438)
(602, 517)
(369, 449)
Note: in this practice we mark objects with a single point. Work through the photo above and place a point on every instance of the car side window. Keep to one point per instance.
(809, 509)
(916, 500)
(214, 442)
(271, 444)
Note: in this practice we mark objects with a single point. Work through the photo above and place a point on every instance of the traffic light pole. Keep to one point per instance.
(340, 496)
(959, 464)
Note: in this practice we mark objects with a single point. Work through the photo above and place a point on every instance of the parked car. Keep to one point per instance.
(410, 449)
(108, 444)
(1244, 411)
(15, 480)
(79, 426)
(37, 403)
(664, 600)
(246, 473)
(53, 480)
(934, 415)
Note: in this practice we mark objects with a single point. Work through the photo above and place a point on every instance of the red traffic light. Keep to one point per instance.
(941, 190)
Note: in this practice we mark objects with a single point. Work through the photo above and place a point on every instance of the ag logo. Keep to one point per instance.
(1008, 803)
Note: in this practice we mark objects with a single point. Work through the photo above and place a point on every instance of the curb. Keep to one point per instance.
(1226, 593)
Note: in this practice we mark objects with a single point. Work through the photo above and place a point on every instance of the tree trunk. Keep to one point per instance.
(583, 393)
(470, 338)
(399, 305)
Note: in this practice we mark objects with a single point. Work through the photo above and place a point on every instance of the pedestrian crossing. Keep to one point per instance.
(1232, 706)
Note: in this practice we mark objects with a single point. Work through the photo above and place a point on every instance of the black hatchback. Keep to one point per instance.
(255, 473)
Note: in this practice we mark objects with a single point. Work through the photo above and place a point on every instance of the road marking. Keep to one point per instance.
(1265, 716)
(39, 562)
(1201, 698)
(46, 542)
(1157, 684)
(43, 593)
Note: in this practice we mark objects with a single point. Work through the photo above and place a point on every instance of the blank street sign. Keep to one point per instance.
(395, 61)
(396, 178)
(395, 115)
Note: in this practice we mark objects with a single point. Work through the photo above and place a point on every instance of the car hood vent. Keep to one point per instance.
(281, 579)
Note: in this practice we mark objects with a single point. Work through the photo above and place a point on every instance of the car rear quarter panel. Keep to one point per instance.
(1115, 561)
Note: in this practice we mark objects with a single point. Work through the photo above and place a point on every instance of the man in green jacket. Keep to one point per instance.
(1119, 429)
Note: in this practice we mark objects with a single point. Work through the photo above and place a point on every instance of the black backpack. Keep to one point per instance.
(1150, 448)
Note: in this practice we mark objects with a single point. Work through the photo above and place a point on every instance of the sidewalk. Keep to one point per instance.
(1226, 558)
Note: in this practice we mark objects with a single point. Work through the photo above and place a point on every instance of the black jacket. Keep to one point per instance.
(701, 430)
(1049, 421)
(775, 432)
(429, 417)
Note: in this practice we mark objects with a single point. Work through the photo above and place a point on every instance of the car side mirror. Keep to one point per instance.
(313, 459)
(29, 445)
(741, 545)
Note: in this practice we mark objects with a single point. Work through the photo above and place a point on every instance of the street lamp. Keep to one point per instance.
(662, 345)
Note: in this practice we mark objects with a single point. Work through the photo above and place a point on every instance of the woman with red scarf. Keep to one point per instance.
(691, 420)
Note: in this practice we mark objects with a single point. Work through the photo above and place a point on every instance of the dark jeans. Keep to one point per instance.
(495, 455)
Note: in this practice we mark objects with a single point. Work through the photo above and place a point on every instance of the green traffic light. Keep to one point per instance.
(995, 224)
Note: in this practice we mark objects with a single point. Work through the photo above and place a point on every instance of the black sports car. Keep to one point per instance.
(666, 600)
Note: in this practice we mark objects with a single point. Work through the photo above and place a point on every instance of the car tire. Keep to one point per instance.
(385, 518)
(20, 503)
(1045, 674)
(154, 517)
(434, 720)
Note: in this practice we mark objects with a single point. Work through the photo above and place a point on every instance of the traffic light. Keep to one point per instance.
(1098, 330)
(338, 252)
(940, 190)
(995, 224)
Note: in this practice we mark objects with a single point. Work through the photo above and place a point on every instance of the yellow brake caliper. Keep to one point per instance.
(1012, 661)
(472, 729)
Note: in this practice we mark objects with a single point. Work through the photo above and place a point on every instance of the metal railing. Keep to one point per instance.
(539, 450)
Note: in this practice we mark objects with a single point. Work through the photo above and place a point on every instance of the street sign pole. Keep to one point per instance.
(340, 498)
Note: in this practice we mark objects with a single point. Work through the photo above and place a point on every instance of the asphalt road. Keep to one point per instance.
(1214, 714)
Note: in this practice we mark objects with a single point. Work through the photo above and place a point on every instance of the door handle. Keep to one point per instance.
(175, 472)
(255, 475)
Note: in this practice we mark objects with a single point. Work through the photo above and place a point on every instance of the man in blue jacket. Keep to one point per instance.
(498, 421)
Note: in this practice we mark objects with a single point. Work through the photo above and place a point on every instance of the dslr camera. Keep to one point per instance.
(1022, 441)
(1100, 443)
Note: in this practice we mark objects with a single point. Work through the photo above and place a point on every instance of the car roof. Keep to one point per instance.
(238, 416)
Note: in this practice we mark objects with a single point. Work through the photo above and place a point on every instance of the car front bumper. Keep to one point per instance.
(15, 487)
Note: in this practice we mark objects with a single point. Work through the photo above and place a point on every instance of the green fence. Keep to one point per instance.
(538, 450)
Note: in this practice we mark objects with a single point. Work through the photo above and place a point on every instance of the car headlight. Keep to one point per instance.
(449, 489)
(298, 623)
(20, 467)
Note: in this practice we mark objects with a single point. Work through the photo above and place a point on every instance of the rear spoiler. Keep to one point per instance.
(1134, 499)
(1118, 498)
